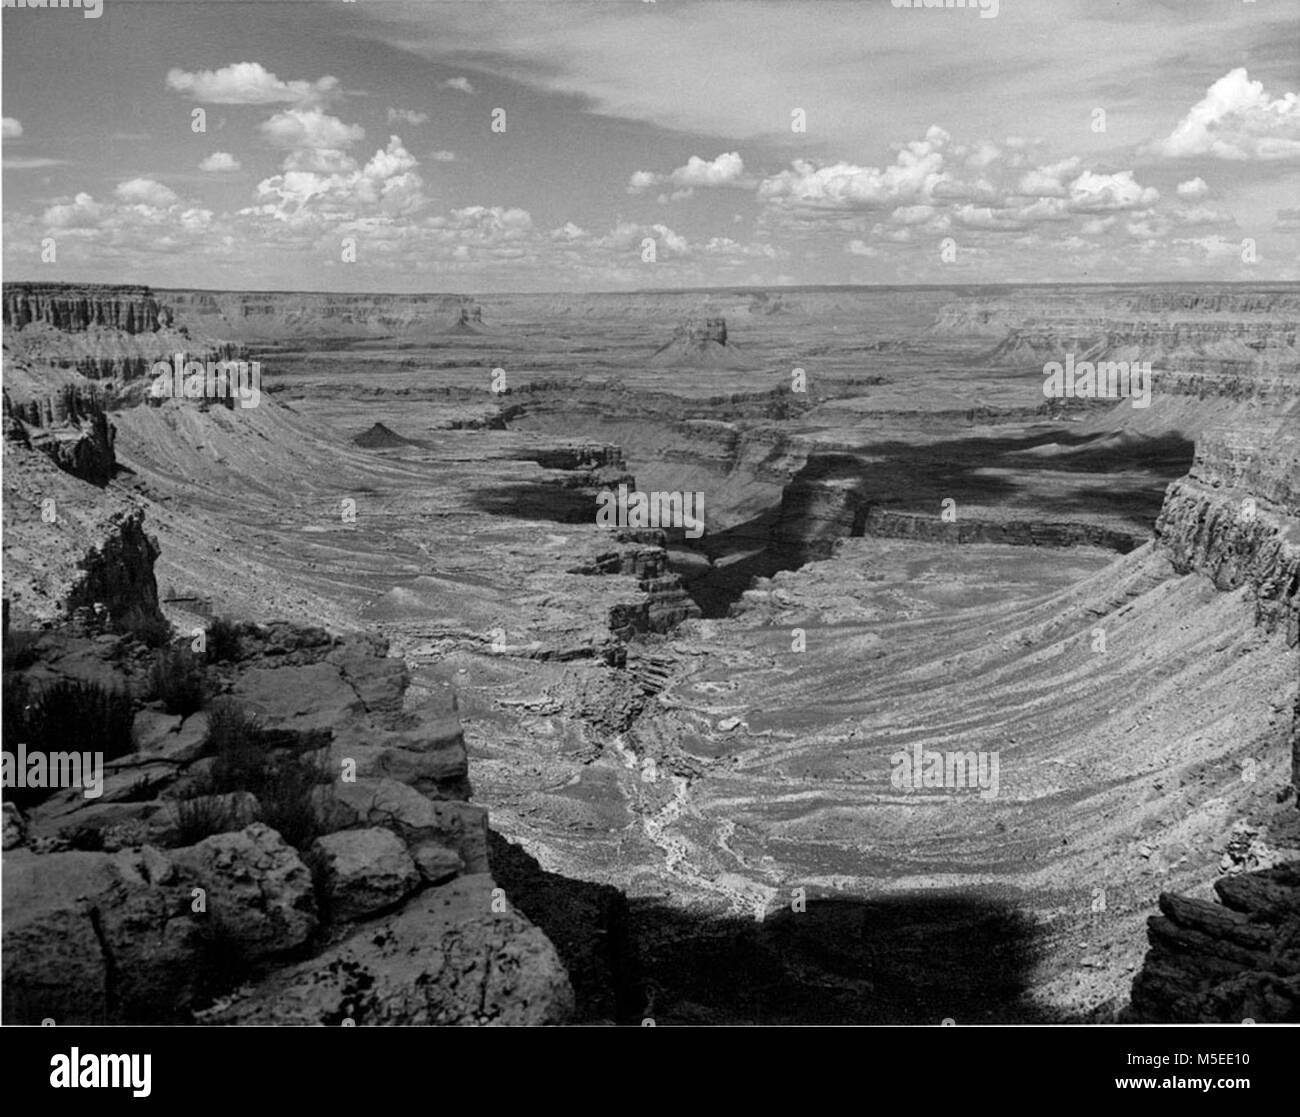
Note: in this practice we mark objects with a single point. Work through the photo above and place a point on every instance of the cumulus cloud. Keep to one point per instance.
(220, 162)
(1049, 181)
(461, 85)
(1237, 120)
(726, 170)
(82, 212)
(310, 129)
(10, 129)
(248, 83)
(912, 177)
(1094, 193)
(406, 116)
(145, 191)
(387, 185)
(1193, 188)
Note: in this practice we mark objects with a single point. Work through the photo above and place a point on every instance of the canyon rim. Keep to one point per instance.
(532, 522)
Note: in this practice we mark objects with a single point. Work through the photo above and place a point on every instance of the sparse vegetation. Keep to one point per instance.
(68, 715)
(236, 743)
(201, 817)
(177, 679)
(282, 782)
(223, 640)
(288, 801)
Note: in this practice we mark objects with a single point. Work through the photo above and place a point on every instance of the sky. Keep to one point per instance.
(475, 146)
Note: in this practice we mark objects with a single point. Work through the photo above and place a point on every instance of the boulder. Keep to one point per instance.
(257, 889)
(92, 938)
(364, 871)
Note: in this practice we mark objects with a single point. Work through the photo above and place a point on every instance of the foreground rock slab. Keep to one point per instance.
(446, 958)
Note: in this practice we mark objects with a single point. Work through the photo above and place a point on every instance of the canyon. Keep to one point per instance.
(677, 750)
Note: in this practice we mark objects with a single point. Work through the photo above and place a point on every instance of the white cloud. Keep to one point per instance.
(248, 83)
(406, 116)
(726, 170)
(722, 171)
(443, 156)
(145, 191)
(11, 129)
(860, 248)
(310, 130)
(387, 186)
(83, 212)
(1049, 181)
(461, 85)
(912, 177)
(1237, 120)
(1193, 188)
(219, 162)
(1094, 193)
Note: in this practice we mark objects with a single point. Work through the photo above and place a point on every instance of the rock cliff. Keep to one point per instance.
(71, 308)
(1225, 962)
(1236, 518)
(70, 427)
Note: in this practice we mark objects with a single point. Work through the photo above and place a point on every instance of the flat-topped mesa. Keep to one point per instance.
(79, 306)
(701, 342)
(247, 316)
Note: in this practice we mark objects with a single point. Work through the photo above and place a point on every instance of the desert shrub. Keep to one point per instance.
(223, 640)
(235, 741)
(201, 817)
(283, 783)
(82, 716)
(287, 796)
(177, 679)
(150, 629)
(20, 649)
(68, 715)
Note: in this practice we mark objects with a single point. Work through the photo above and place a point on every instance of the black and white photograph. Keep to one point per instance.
(650, 513)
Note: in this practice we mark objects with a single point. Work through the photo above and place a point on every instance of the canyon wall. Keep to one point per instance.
(271, 315)
(72, 308)
(1235, 518)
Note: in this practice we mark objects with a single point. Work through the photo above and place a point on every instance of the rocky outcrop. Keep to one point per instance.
(70, 427)
(457, 955)
(384, 913)
(702, 343)
(1236, 519)
(1228, 962)
(118, 572)
(666, 603)
(95, 938)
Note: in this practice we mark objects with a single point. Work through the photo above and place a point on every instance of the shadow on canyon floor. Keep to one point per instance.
(908, 959)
